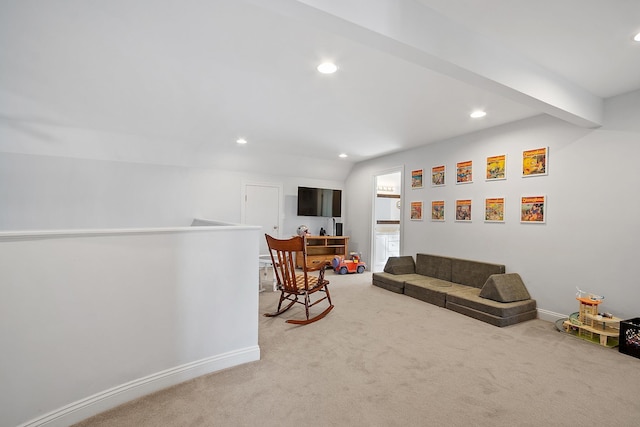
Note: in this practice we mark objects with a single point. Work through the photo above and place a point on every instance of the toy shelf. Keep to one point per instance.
(322, 249)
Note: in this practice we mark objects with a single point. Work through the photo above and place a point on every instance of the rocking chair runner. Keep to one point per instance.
(297, 288)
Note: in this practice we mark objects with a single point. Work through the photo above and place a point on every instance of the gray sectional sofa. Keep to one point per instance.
(477, 289)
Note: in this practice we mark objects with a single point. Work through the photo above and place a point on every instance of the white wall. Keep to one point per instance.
(89, 320)
(47, 192)
(589, 238)
(387, 209)
(43, 192)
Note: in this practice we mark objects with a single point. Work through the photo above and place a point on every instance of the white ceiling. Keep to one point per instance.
(588, 42)
(178, 81)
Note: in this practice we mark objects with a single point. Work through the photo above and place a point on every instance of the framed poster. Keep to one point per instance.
(437, 175)
(496, 167)
(533, 209)
(535, 162)
(416, 211)
(416, 178)
(463, 210)
(494, 209)
(464, 172)
(437, 210)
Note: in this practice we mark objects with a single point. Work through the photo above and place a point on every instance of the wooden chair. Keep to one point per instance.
(297, 287)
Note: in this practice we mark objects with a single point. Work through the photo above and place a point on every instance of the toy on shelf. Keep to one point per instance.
(588, 322)
(353, 265)
(588, 295)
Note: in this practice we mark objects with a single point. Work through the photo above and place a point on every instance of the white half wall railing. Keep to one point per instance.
(90, 319)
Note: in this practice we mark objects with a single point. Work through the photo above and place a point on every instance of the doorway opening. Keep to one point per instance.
(387, 215)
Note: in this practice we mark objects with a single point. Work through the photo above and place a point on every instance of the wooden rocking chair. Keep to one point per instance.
(297, 288)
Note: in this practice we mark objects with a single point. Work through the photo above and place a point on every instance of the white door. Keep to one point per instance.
(262, 207)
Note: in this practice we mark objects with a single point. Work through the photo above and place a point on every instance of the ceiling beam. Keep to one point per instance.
(409, 30)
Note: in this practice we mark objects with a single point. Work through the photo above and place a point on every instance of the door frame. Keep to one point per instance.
(243, 198)
(374, 195)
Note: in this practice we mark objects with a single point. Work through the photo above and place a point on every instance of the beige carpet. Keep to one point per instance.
(383, 359)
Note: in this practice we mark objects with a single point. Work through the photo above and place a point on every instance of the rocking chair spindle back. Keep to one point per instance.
(297, 287)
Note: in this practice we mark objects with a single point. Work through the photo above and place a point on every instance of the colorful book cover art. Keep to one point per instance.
(416, 211)
(532, 209)
(494, 209)
(437, 175)
(496, 167)
(534, 162)
(463, 210)
(416, 178)
(437, 210)
(464, 172)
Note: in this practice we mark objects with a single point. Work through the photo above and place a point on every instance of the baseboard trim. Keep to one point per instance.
(108, 399)
(550, 316)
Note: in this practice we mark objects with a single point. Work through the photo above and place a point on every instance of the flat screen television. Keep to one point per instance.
(319, 202)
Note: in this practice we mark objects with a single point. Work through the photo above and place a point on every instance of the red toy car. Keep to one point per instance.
(344, 266)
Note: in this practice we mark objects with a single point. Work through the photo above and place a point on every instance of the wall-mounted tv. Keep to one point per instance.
(319, 202)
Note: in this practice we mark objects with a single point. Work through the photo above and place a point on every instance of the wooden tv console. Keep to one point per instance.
(323, 248)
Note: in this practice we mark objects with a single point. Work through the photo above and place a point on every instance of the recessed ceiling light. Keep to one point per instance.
(241, 141)
(343, 155)
(637, 37)
(327, 68)
(477, 114)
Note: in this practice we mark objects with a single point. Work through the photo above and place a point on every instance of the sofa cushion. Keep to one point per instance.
(430, 289)
(392, 282)
(491, 319)
(473, 273)
(434, 266)
(400, 265)
(505, 288)
(471, 298)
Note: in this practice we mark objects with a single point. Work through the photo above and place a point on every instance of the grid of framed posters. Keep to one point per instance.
(535, 162)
